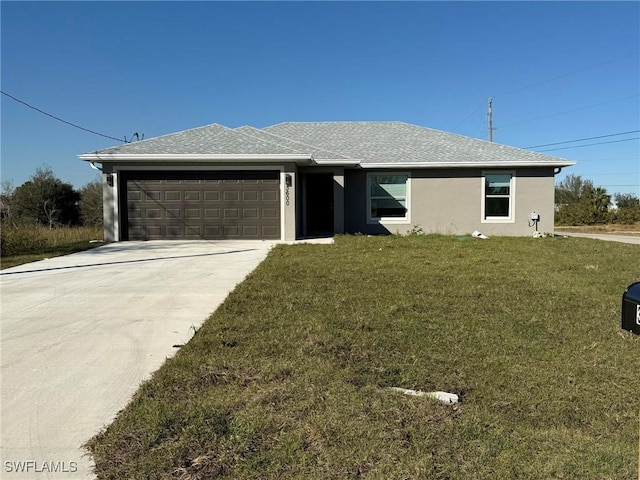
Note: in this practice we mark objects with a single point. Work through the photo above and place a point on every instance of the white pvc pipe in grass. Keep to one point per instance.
(444, 397)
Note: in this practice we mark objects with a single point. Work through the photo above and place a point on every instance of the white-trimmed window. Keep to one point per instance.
(388, 197)
(498, 192)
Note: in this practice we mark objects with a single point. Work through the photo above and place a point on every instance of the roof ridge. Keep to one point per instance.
(188, 130)
(260, 139)
(300, 143)
(338, 121)
(165, 135)
(480, 140)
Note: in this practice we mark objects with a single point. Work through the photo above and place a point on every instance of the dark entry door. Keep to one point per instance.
(319, 203)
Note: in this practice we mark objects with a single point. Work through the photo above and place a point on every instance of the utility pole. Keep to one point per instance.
(490, 119)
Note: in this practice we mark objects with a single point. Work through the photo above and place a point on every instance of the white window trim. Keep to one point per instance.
(389, 220)
(512, 197)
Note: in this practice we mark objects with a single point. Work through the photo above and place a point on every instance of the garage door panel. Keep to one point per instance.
(230, 214)
(250, 213)
(231, 196)
(172, 196)
(212, 196)
(212, 231)
(193, 231)
(250, 195)
(205, 205)
(270, 213)
(230, 231)
(152, 194)
(153, 231)
(211, 213)
(153, 213)
(174, 213)
(135, 196)
(249, 231)
(270, 232)
(268, 196)
(192, 196)
(192, 213)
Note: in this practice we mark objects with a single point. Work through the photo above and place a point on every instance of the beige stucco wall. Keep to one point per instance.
(338, 200)
(450, 202)
(110, 205)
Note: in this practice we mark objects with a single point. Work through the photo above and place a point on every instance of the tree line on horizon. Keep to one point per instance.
(46, 200)
(579, 202)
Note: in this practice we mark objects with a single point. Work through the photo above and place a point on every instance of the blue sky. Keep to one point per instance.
(557, 71)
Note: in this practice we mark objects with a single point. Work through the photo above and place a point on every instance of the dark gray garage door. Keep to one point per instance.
(201, 205)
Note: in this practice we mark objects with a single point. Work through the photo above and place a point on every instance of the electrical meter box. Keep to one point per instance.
(631, 308)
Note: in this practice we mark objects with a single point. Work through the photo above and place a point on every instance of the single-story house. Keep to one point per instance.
(295, 180)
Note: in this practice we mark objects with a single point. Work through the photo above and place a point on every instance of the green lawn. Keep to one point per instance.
(288, 378)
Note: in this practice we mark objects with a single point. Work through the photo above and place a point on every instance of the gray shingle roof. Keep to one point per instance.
(398, 142)
(317, 152)
(210, 139)
(371, 143)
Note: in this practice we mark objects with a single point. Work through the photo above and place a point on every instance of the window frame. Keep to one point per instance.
(512, 196)
(398, 220)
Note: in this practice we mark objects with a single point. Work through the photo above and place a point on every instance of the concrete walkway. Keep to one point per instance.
(79, 334)
(603, 236)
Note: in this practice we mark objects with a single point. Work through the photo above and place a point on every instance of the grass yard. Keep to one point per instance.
(288, 379)
(24, 244)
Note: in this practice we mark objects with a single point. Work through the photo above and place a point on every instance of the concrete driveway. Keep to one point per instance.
(79, 333)
(604, 236)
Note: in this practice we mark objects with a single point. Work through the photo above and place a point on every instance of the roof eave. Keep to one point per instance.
(337, 163)
(203, 158)
(496, 164)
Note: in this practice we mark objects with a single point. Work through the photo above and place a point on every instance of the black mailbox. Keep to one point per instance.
(631, 308)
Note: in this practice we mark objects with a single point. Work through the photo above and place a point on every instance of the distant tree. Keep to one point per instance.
(572, 189)
(7, 192)
(626, 200)
(91, 203)
(47, 200)
(600, 200)
(579, 202)
(627, 208)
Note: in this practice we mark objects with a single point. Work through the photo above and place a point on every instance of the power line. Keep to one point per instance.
(469, 116)
(545, 81)
(613, 185)
(616, 159)
(590, 144)
(61, 120)
(610, 174)
(567, 111)
(583, 139)
(566, 74)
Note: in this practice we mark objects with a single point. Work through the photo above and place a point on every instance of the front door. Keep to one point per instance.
(319, 203)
